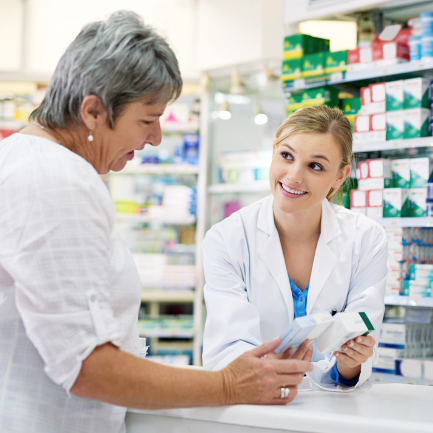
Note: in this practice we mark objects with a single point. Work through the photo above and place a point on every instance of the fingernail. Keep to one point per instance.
(351, 344)
(276, 338)
(311, 368)
(310, 345)
(345, 349)
(359, 340)
(337, 354)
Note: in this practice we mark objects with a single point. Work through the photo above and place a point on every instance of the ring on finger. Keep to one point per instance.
(284, 392)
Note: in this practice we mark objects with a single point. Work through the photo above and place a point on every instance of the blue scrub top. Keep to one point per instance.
(300, 308)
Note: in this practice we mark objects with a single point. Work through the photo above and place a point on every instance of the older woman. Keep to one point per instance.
(69, 291)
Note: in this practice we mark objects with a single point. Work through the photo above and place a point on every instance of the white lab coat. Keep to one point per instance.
(247, 291)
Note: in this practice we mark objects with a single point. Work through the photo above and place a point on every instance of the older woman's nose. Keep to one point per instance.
(155, 136)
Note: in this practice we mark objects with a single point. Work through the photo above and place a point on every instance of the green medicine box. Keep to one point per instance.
(396, 203)
(298, 45)
(335, 62)
(416, 122)
(313, 65)
(394, 95)
(351, 105)
(418, 202)
(292, 69)
(295, 103)
(416, 93)
(320, 96)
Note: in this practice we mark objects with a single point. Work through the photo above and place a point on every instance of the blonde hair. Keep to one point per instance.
(325, 120)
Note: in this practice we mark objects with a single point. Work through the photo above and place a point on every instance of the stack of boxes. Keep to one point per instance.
(396, 250)
(392, 189)
(316, 96)
(308, 57)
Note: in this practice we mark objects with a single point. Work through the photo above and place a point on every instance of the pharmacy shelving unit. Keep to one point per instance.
(161, 293)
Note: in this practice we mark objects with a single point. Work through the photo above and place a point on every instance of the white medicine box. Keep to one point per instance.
(358, 201)
(375, 203)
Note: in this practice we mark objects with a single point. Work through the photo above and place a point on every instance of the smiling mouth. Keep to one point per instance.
(292, 191)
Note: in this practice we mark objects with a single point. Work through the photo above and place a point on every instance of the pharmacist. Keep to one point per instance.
(69, 290)
(296, 253)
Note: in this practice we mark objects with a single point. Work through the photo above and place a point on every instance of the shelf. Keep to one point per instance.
(385, 73)
(393, 144)
(158, 169)
(38, 77)
(135, 218)
(406, 222)
(167, 296)
(158, 333)
(223, 188)
(408, 302)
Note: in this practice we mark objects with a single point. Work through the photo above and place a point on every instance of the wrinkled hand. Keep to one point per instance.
(304, 352)
(353, 354)
(255, 379)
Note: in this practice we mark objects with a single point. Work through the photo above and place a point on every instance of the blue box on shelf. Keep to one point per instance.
(191, 143)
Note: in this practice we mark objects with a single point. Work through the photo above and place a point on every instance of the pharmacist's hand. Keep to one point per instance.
(355, 352)
(255, 379)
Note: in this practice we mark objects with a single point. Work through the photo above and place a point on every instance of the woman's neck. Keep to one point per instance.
(298, 227)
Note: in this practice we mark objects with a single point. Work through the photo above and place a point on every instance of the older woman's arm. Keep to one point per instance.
(115, 377)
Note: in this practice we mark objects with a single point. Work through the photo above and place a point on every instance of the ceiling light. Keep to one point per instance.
(260, 119)
(224, 112)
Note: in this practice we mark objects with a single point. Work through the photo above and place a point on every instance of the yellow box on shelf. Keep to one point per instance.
(128, 207)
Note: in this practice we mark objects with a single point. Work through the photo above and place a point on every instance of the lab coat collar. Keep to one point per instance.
(272, 254)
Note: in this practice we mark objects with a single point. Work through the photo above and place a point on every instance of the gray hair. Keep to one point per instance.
(121, 61)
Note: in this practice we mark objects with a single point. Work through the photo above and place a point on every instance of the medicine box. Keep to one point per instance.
(378, 127)
(320, 96)
(299, 45)
(417, 271)
(394, 125)
(417, 93)
(386, 361)
(335, 62)
(394, 95)
(417, 288)
(302, 328)
(416, 122)
(344, 327)
(358, 201)
(409, 368)
(390, 53)
(313, 65)
(361, 129)
(351, 105)
(295, 103)
(375, 203)
(418, 198)
(291, 69)
(395, 203)
(379, 173)
(393, 336)
(420, 169)
(373, 99)
(400, 173)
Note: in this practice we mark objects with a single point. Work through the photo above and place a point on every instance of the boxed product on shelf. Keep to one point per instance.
(400, 173)
(358, 201)
(335, 61)
(418, 199)
(375, 203)
(313, 65)
(299, 45)
(359, 59)
(394, 125)
(351, 105)
(320, 96)
(361, 128)
(416, 122)
(373, 99)
(292, 69)
(375, 174)
(417, 93)
(419, 271)
(427, 46)
(415, 48)
(420, 169)
(417, 288)
(395, 202)
(294, 103)
(394, 95)
(390, 53)
(386, 361)
(378, 128)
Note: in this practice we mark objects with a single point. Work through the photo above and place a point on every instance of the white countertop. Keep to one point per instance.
(373, 408)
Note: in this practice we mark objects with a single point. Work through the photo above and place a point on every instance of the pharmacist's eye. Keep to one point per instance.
(287, 155)
(316, 167)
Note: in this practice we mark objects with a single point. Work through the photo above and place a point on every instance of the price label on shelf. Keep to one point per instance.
(385, 70)
(394, 222)
(299, 83)
(429, 221)
(359, 147)
(396, 144)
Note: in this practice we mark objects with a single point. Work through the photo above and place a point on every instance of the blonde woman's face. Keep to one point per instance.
(304, 168)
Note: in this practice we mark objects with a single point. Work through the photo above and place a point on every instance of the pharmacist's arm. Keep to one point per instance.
(366, 294)
(233, 323)
(116, 377)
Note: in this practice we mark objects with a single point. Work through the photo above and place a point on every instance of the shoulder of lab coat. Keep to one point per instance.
(233, 323)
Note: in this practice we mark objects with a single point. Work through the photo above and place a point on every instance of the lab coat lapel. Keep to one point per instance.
(324, 259)
(272, 254)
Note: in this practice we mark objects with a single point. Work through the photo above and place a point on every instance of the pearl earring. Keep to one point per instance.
(90, 137)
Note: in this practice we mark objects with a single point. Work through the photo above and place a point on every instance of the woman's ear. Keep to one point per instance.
(92, 111)
(342, 176)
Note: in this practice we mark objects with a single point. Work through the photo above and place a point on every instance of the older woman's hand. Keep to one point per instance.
(353, 354)
(255, 379)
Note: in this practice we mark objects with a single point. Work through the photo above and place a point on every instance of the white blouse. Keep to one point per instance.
(68, 283)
